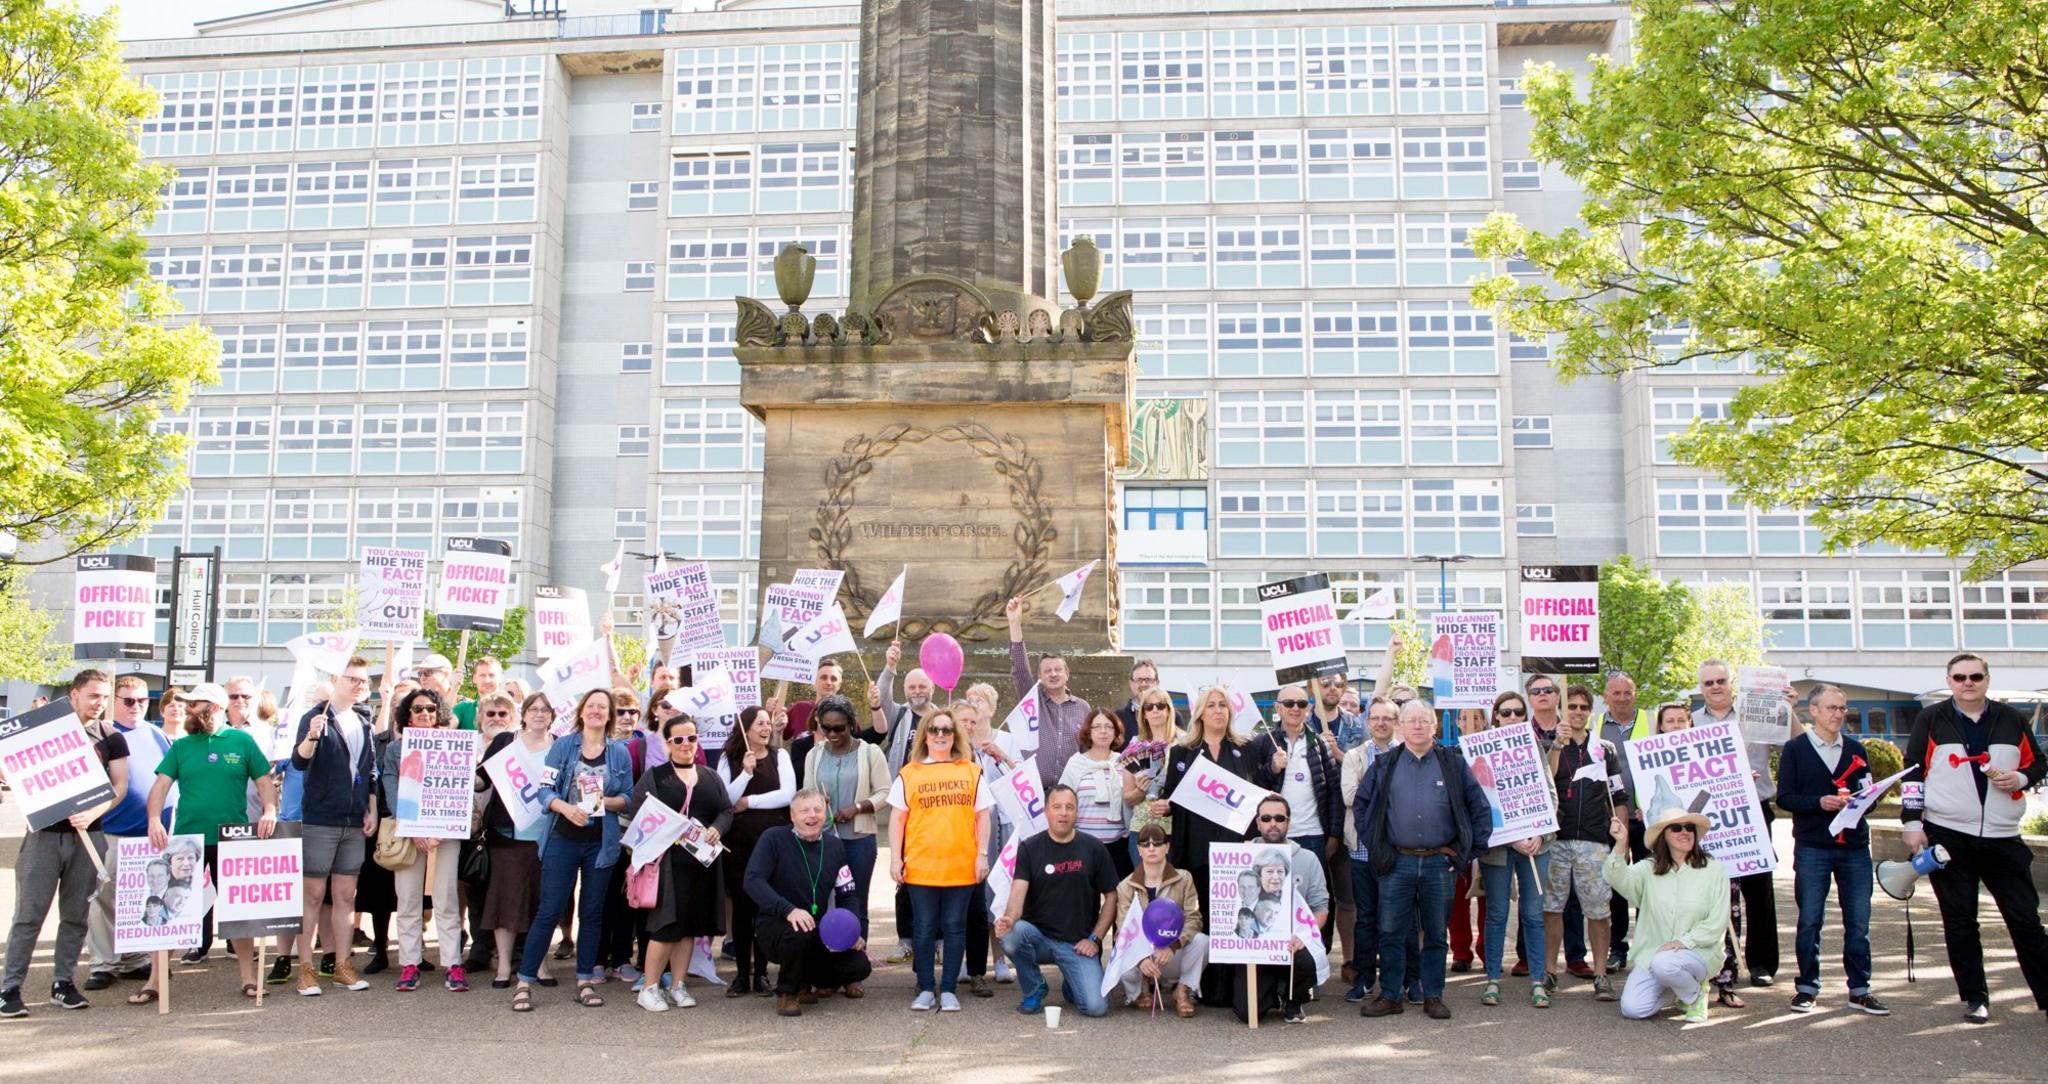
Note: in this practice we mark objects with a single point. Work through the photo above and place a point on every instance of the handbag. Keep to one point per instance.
(394, 852)
(475, 870)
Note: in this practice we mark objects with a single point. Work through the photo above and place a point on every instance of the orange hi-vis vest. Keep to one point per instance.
(939, 848)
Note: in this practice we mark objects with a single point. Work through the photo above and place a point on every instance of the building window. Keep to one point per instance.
(1162, 74)
(798, 177)
(399, 438)
(1258, 73)
(705, 264)
(639, 275)
(1521, 349)
(1444, 163)
(408, 272)
(1355, 338)
(697, 350)
(331, 195)
(182, 271)
(301, 602)
(636, 357)
(646, 117)
(1348, 71)
(404, 354)
(1159, 508)
(414, 192)
(1675, 410)
(1521, 175)
(256, 109)
(1165, 253)
(1454, 426)
(629, 525)
(325, 275)
(1908, 609)
(1261, 519)
(417, 103)
(1262, 252)
(236, 520)
(1173, 340)
(1167, 610)
(1700, 517)
(310, 525)
(395, 518)
(181, 206)
(251, 199)
(248, 359)
(1261, 429)
(1240, 617)
(321, 357)
(1260, 339)
(1087, 169)
(501, 99)
(487, 353)
(643, 195)
(1357, 428)
(498, 188)
(1257, 167)
(245, 278)
(715, 89)
(708, 435)
(1511, 94)
(2008, 612)
(1536, 521)
(1456, 516)
(704, 521)
(1450, 338)
(337, 107)
(803, 87)
(316, 440)
(1087, 77)
(1356, 518)
(711, 182)
(480, 512)
(1352, 250)
(184, 121)
(824, 242)
(1163, 167)
(1480, 592)
(1532, 431)
(1810, 610)
(494, 270)
(1441, 69)
(633, 440)
(1786, 532)
(1437, 249)
(1350, 163)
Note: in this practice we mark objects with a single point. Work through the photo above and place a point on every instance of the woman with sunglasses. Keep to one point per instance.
(625, 928)
(1145, 762)
(976, 736)
(938, 844)
(855, 775)
(1209, 735)
(1672, 717)
(1177, 967)
(1585, 776)
(422, 708)
(1519, 867)
(587, 779)
(513, 894)
(1681, 895)
(757, 773)
(690, 902)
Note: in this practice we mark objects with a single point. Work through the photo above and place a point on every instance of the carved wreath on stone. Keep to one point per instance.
(1034, 532)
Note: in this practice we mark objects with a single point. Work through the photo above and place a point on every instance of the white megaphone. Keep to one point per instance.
(1898, 879)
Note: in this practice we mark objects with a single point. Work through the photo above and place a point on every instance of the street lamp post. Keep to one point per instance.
(1443, 578)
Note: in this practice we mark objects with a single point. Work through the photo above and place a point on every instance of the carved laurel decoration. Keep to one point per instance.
(757, 324)
(1110, 321)
(1033, 534)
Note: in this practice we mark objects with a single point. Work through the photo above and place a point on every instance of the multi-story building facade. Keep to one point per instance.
(475, 278)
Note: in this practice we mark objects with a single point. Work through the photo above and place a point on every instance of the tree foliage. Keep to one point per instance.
(1722, 622)
(1641, 619)
(504, 645)
(86, 364)
(32, 647)
(1847, 197)
(1411, 662)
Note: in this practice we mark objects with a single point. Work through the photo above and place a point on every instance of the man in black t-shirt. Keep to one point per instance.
(1061, 904)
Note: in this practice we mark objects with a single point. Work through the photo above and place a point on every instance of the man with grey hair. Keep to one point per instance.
(1620, 722)
(797, 873)
(1817, 775)
(1759, 902)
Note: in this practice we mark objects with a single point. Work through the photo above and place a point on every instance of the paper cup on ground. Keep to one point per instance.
(1052, 1017)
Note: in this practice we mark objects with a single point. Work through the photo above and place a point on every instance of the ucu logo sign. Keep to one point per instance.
(1028, 794)
(1219, 790)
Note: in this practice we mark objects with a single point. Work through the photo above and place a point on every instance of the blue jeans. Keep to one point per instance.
(560, 863)
(1080, 976)
(860, 859)
(1365, 932)
(1574, 929)
(1849, 870)
(934, 911)
(1531, 874)
(1416, 889)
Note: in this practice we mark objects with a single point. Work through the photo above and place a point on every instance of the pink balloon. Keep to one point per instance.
(940, 656)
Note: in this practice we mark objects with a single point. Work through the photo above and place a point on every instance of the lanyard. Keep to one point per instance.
(814, 875)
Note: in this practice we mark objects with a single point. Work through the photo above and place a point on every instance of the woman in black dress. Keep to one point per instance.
(756, 772)
(691, 901)
(1210, 736)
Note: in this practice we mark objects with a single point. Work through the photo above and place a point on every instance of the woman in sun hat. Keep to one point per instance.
(1681, 894)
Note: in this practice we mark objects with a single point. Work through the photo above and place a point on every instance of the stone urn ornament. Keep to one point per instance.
(795, 267)
(1082, 262)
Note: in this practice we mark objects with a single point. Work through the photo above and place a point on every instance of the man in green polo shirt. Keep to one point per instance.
(486, 674)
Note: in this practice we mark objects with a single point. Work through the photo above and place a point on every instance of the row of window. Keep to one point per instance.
(1283, 251)
(471, 189)
(1283, 165)
(384, 272)
(410, 103)
(347, 439)
(1706, 517)
(380, 355)
(332, 524)
(1329, 517)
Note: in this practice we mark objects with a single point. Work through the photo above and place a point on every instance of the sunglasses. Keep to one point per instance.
(1271, 819)
(1151, 843)
(629, 711)
(1543, 690)
(1686, 828)
(1158, 707)
(133, 701)
(427, 708)
(1404, 703)
(1292, 703)
(1710, 683)
(1512, 713)
(947, 730)
(496, 714)
(241, 696)
(1966, 677)
(833, 729)
(682, 739)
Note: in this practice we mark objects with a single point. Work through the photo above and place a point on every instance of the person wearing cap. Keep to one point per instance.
(1681, 897)
(854, 776)
(213, 766)
(435, 672)
(796, 873)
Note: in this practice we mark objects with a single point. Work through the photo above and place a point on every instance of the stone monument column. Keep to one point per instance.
(951, 419)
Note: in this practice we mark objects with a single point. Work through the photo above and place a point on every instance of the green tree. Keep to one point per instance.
(632, 656)
(1722, 622)
(87, 365)
(32, 647)
(504, 644)
(1411, 662)
(1641, 619)
(1846, 196)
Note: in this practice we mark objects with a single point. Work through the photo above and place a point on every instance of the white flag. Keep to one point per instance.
(1020, 798)
(709, 696)
(1211, 792)
(889, 610)
(611, 570)
(401, 661)
(1023, 722)
(327, 652)
(1070, 588)
(1311, 937)
(653, 828)
(704, 962)
(826, 634)
(1131, 948)
(1379, 606)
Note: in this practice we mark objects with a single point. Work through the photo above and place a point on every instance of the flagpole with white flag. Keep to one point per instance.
(889, 608)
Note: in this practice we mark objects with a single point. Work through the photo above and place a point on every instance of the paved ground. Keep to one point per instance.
(379, 1034)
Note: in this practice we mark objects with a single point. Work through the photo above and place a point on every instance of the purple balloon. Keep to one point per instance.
(839, 929)
(1163, 922)
(942, 661)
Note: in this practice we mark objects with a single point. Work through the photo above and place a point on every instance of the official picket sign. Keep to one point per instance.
(1709, 757)
(436, 770)
(1251, 904)
(1300, 617)
(561, 620)
(48, 760)
(160, 897)
(1560, 619)
(391, 594)
(476, 585)
(1516, 778)
(113, 606)
(260, 881)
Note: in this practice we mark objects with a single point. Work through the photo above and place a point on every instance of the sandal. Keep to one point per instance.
(144, 996)
(1492, 994)
(249, 990)
(1539, 998)
(587, 996)
(1729, 998)
(522, 999)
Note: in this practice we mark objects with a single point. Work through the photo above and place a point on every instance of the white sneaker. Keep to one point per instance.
(681, 996)
(1003, 973)
(651, 1000)
(924, 1002)
(949, 1002)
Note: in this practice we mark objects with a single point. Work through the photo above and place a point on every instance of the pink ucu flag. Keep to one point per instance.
(1210, 791)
